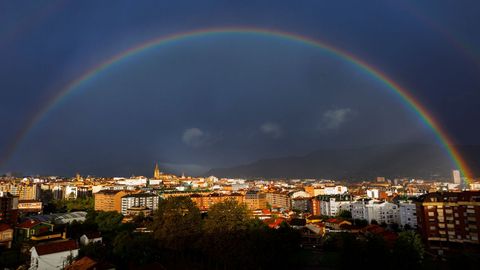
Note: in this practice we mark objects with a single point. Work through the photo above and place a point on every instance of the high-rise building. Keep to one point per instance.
(8, 208)
(279, 200)
(408, 215)
(449, 218)
(457, 179)
(109, 200)
(24, 191)
(255, 200)
(147, 200)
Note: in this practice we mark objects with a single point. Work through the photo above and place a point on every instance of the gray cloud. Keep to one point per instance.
(333, 119)
(194, 137)
(271, 129)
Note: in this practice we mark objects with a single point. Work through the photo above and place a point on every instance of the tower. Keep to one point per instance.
(156, 172)
(456, 177)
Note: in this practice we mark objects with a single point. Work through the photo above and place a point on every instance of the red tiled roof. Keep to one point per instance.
(333, 220)
(274, 222)
(28, 223)
(84, 263)
(4, 227)
(55, 247)
(373, 228)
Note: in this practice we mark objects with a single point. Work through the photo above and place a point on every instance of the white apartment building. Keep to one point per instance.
(328, 190)
(358, 210)
(382, 212)
(332, 206)
(376, 210)
(408, 215)
(148, 200)
(133, 182)
(336, 190)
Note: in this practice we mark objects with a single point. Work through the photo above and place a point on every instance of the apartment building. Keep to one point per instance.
(449, 218)
(255, 200)
(279, 200)
(204, 202)
(109, 200)
(8, 208)
(408, 215)
(148, 200)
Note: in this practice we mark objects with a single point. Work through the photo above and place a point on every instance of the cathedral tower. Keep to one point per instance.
(156, 172)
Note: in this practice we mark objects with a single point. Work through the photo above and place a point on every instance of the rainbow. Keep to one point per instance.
(407, 98)
(469, 52)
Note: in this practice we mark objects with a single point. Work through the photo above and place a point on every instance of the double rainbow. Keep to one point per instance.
(407, 98)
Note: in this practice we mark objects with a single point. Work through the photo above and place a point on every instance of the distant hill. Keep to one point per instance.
(392, 160)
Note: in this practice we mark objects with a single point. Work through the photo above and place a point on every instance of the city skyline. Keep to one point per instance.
(215, 134)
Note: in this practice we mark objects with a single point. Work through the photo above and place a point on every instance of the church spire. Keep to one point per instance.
(156, 172)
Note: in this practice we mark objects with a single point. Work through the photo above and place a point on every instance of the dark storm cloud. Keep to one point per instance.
(201, 125)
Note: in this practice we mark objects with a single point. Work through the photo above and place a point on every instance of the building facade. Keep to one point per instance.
(278, 200)
(148, 200)
(255, 200)
(408, 215)
(8, 208)
(109, 200)
(449, 218)
(205, 201)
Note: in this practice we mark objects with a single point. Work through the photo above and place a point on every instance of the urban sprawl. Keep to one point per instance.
(446, 215)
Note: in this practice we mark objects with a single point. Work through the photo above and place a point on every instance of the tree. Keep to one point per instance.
(12, 258)
(345, 214)
(108, 221)
(394, 227)
(227, 216)
(177, 222)
(409, 250)
(96, 251)
(140, 220)
(138, 249)
(360, 222)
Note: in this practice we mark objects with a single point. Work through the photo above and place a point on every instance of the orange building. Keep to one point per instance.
(204, 202)
(255, 200)
(109, 200)
(278, 200)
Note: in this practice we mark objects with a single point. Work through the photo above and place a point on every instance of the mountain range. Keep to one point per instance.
(361, 163)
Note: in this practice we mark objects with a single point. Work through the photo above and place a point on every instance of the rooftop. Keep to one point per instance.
(56, 247)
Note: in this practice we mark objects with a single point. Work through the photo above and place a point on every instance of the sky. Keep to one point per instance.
(227, 99)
